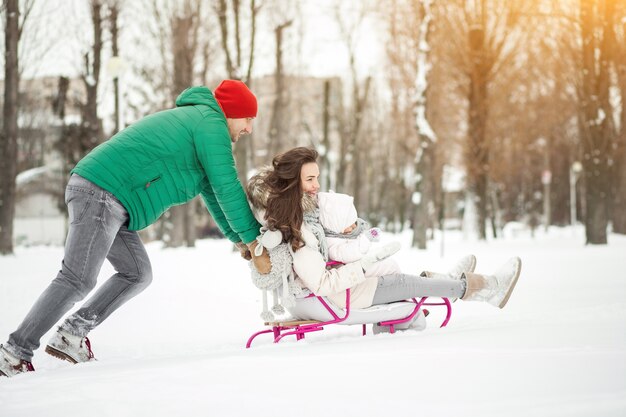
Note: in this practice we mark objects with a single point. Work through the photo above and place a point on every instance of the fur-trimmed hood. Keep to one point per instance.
(258, 193)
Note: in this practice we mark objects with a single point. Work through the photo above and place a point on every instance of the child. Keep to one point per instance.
(349, 238)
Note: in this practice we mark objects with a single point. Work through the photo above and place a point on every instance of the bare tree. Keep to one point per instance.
(232, 35)
(619, 63)
(14, 19)
(531, 128)
(78, 139)
(8, 148)
(401, 50)
(325, 162)
(595, 121)
(350, 162)
(114, 14)
(492, 32)
(185, 27)
(277, 123)
(424, 159)
(92, 125)
(409, 54)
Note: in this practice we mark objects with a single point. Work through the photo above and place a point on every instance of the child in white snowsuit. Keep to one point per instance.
(350, 238)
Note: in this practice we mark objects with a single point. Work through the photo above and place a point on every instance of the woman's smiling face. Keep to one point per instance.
(309, 178)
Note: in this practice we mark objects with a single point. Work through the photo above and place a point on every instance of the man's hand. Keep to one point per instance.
(244, 251)
(261, 262)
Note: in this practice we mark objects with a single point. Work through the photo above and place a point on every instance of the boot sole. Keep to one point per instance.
(473, 266)
(512, 286)
(59, 355)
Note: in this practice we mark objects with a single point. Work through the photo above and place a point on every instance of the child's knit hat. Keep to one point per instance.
(337, 211)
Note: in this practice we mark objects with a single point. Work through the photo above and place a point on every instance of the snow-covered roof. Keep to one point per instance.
(31, 174)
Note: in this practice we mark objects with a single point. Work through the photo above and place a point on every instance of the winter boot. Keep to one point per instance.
(71, 348)
(12, 365)
(465, 264)
(418, 324)
(494, 289)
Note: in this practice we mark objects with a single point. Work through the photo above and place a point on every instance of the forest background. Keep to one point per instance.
(433, 114)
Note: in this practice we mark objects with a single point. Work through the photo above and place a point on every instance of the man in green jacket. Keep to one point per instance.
(124, 185)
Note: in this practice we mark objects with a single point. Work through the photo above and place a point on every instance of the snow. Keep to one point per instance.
(29, 175)
(453, 179)
(557, 349)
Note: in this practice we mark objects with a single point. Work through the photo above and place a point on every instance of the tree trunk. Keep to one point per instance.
(619, 215)
(344, 141)
(619, 201)
(184, 42)
(424, 165)
(360, 104)
(422, 196)
(113, 19)
(595, 129)
(477, 149)
(325, 157)
(243, 150)
(92, 127)
(78, 139)
(277, 123)
(8, 157)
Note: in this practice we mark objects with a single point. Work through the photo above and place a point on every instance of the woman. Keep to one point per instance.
(285, 197)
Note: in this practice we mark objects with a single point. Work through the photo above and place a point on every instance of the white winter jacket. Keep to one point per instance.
(352, 250)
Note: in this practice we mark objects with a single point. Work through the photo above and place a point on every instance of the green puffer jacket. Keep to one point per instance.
(170, 157)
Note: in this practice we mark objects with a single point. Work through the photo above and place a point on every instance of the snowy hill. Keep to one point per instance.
(557, 349)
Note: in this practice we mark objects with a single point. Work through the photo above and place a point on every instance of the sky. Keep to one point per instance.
(53, 49)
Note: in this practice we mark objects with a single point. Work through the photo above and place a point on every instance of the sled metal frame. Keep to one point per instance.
(300, 328)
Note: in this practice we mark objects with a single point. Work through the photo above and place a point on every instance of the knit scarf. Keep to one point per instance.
(361, 226)
(312, 221)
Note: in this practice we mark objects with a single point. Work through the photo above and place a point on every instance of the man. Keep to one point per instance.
(124, 185)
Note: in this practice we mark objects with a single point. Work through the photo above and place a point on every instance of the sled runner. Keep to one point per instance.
(314, 312)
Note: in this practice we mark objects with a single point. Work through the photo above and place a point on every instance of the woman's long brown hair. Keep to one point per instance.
(284, 205)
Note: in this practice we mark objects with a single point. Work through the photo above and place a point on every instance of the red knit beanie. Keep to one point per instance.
(235, 99)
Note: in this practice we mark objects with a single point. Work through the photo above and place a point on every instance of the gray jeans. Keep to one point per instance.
(97, 231)
(398, 287)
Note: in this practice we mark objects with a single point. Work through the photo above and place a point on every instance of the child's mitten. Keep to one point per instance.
(373, 234)
(384, 252)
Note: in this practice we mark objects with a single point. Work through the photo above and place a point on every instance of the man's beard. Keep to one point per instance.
(234, 137)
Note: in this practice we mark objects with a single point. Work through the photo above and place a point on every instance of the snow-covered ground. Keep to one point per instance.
(557, 349)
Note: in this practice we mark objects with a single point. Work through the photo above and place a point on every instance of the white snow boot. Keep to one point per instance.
(69, 347)
(11, 365)
(494, 289)
(465, 264)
